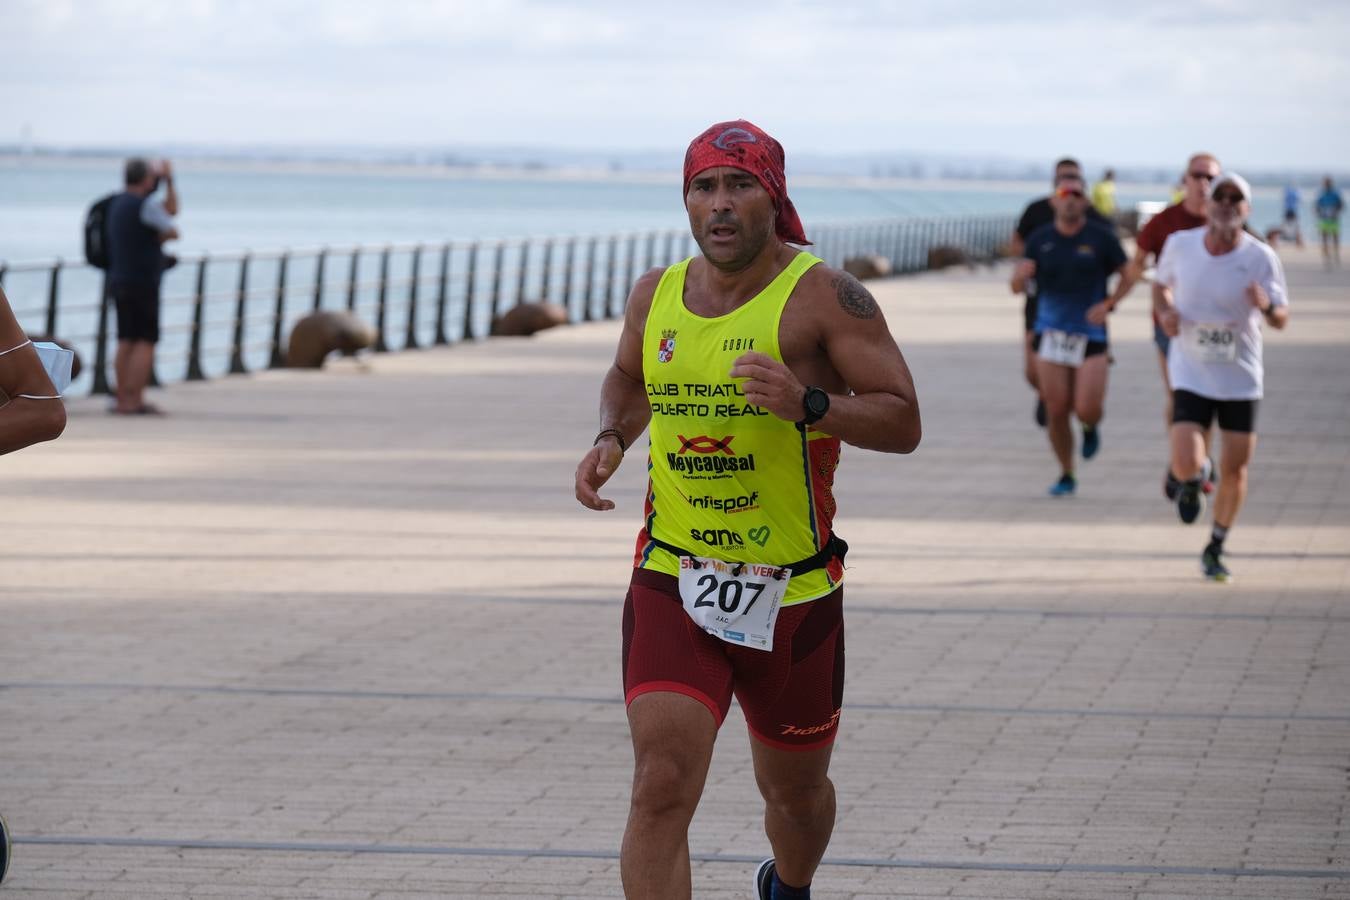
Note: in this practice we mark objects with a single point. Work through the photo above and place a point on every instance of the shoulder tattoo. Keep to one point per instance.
(853, 297)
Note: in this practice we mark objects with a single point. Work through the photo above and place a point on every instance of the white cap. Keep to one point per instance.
(1236, 181)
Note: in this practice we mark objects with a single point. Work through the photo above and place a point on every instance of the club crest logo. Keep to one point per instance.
(666, 351)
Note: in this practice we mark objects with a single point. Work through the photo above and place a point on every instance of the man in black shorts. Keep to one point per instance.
(138, 224)
(1039, 213)
(1213, 288)
(1072, 258)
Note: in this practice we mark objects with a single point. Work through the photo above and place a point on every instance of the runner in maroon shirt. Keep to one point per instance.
(1201, 170)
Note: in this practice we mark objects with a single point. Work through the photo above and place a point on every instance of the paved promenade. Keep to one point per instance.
(347, 635)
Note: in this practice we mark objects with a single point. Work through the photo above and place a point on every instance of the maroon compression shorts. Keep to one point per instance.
(791, 696)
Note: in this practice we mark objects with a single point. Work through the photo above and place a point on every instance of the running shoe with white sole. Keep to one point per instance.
(764, 880)
(6, 849)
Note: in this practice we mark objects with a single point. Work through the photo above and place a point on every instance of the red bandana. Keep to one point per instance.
(743, 146)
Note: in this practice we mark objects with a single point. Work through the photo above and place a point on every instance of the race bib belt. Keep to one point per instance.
(732, 488)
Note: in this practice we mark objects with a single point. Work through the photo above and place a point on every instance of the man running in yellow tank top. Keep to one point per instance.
(751, 363)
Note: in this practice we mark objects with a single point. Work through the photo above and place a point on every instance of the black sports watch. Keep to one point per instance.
(815, 404)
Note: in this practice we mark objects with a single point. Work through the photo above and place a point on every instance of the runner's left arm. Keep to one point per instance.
(879, 408)
(1128, 276)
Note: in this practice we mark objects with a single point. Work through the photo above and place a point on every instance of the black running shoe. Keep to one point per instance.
(6, 848)
(1171, 486)
(1190, 502)
(1092, 441)
(1040, 412)
(764, 880)
(1211, 562)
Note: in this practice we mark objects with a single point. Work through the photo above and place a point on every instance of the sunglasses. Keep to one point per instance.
(1201, 176)
(1225, 197)
(1069, 192)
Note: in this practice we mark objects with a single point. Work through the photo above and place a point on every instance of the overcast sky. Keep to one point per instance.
(1263, 84)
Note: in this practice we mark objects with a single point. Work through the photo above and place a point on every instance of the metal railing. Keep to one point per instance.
(231, 313)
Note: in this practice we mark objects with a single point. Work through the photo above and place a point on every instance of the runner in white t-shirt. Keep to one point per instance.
(1212, 288)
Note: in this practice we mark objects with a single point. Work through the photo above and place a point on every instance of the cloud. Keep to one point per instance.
(972, 76)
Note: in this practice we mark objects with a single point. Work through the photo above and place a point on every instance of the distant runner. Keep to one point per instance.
(1071, 260)
(1190, 212)
(1213, 287)
(1329, 209)
(1039, 213)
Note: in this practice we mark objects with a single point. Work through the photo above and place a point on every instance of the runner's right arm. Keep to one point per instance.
(24, 421)
(623, 399)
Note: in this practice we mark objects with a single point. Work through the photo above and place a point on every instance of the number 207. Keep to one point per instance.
(729, 593)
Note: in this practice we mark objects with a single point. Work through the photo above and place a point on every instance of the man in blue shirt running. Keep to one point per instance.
(1071, 259)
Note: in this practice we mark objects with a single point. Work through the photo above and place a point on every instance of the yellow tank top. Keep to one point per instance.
(727, 479)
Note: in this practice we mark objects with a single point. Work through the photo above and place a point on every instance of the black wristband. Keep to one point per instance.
(616, 434)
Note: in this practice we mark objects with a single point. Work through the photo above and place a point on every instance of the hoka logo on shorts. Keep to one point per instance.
(712, 455)
(810, 729)
(717, 537)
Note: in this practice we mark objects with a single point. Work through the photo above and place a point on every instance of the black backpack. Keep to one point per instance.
(96, 233)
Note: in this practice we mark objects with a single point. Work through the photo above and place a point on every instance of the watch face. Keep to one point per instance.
(817, 401)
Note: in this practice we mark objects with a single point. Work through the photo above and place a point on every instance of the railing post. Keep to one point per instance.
(570, 252)
(498, 256)
(546, 272)
(410, 341)
(380, 303)
(521, 279)
(670, 248)
(53, 297)
(610, 265)
(651, 250)
(237, 366)
(353, 271)
(279, 317)
(443, 295)
(588, 289)
(469, 291)
(318, 278)
(632, 270)
(194, 368)
(100, 385)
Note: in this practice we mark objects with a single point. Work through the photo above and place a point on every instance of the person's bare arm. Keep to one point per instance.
(170, 192)
(1098, 312)
(623, 400)
(1023, 272)
(1166, 310)
(24, 422)
(882, 410)
(1276, 314)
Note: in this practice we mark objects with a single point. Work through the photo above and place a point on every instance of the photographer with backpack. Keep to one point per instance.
(137, 224)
